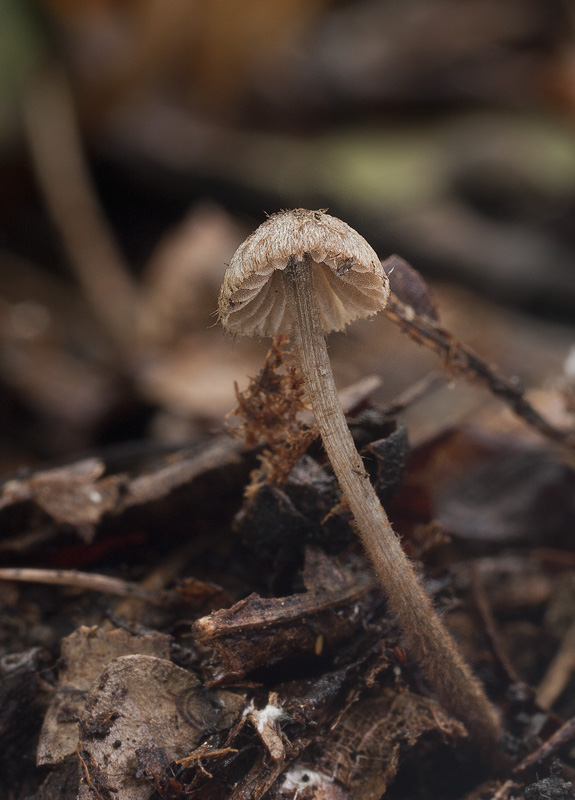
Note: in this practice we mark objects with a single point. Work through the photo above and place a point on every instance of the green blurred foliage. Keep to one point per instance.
(21, 47)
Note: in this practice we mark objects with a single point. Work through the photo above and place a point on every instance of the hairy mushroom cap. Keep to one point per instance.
(348, 278)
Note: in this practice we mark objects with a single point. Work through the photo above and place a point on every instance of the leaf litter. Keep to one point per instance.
(275, 670)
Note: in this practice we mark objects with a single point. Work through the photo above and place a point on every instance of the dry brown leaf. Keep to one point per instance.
(182, 279)
(360, 758)
(85, 653)
(142, 704)
(77, 494)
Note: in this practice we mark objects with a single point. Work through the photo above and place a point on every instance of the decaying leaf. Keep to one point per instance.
(141, 704)
(279, 520)
(22, 701)
(386, 458)
(80, 495)
(75, 494)
(183, 275)
(518, 495)
(410, 288)
(489, 487)
(85, 653)
(61, 783)
(359, 759)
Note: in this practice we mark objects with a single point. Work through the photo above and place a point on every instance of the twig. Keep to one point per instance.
(164, 573)
(461, 360)
(82, 580)
(484, 608)
(263, 774)
(88, 778)
(51, 127)
(204, 751)
(503, 791)
(559, 672)
(562, 737)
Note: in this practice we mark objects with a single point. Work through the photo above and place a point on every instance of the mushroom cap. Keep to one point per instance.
(348, 278)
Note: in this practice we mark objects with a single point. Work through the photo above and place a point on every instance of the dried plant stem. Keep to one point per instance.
(60, 166)
(559, 672)
(490, 626)
(461, 360)
(81, 580)
(561, 740)
(426, 639)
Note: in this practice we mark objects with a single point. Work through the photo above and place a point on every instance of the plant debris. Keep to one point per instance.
(185, 614)
(258, 632)
(317, 683)
(552, 788)
(269, 411)
(142, 703)
(361, 756)
(252, 653)
(461, 360)
(84, 654)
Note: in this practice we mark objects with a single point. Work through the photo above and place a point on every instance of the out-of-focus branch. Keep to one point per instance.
(52, 131)
(561, 740)
(559, 672)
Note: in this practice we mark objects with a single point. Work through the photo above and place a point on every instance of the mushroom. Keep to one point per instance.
(308, 273)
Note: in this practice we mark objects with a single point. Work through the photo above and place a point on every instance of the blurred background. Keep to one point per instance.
(142, 140)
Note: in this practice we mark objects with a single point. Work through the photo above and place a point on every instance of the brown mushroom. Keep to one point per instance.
(309, 273)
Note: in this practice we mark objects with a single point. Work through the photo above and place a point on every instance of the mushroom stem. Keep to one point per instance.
(426, 639)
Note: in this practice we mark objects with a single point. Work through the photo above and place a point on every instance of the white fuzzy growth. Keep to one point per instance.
(299, 777)
(267, 716)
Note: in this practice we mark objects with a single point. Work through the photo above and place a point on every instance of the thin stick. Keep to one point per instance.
(562, 738)
(153, 585)
(81, 580)
(426, 639)
(461, 360)
(504, 789)
(559, 672)
(490, 626)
